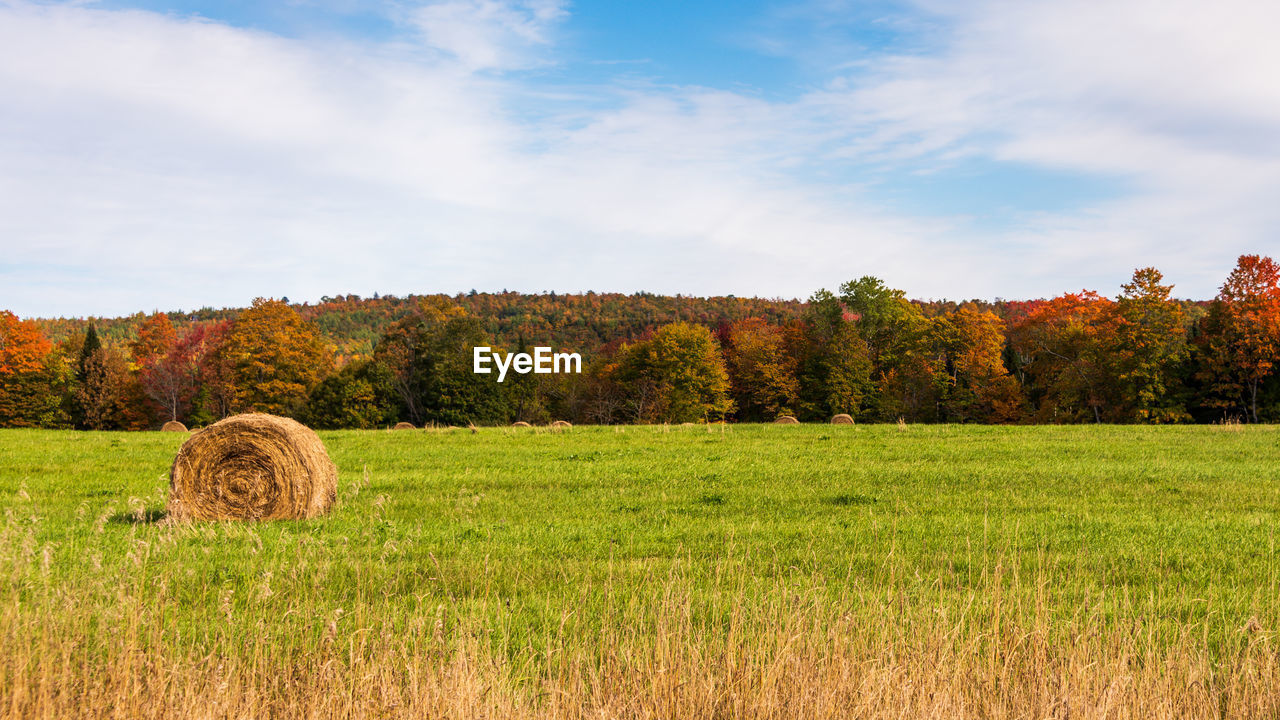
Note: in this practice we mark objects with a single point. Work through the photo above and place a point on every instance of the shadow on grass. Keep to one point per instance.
(146, 517)
(852, 499)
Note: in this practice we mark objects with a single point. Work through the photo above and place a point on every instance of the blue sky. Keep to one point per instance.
(174, 155)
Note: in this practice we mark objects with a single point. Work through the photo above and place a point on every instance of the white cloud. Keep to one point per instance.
(153, 161)
(156, 162)
(488, 34)
(1177, 99)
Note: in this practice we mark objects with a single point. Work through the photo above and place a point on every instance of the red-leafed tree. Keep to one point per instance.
(216, 396)
(171, 377)
(1240, 336)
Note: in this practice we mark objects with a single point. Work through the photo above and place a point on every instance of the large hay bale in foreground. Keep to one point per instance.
(786, 420)
(405, 426)
(842, 419)
(252, 467)
(173, 426)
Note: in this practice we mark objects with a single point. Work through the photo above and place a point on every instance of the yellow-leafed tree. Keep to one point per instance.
(677, 375)
(275, 358)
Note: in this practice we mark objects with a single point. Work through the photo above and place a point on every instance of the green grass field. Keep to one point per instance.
(569, 560)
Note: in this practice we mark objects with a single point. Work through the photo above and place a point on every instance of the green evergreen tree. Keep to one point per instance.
(88, 349)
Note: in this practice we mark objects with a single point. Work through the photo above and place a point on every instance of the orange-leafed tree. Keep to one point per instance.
(762, 370)
(156, 337)
(22, 346)
(275, 358)
(30, 387)
(151, 348)
(1060, 348)
(978, 386)
(1240, 336)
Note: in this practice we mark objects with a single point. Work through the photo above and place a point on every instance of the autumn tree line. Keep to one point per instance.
(1140, 357)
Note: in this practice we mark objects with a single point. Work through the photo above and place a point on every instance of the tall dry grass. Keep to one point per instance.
(804, 650)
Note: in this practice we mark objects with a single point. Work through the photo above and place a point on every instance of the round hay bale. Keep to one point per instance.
(842, 419)
(562, 425)
(405, 426)
(173, 426)
(252, 467)
(520, 423)
(786, 420)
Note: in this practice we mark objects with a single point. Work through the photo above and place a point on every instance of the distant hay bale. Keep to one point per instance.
(405, 426)
(520, 423)
(842, 419)
(252, 467)
(562, 425)
(173, 426)
(786, 420)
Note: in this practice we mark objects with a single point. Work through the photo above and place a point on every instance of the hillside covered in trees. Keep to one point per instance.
(352, 325)
(865, 350)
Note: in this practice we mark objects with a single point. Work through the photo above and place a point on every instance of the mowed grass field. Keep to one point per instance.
(683, 572)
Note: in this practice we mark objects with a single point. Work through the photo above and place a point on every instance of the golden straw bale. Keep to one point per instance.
(842, 419)
(520, 423)
(786, 420)
(173, 426)
(405, 426)
(252, 467)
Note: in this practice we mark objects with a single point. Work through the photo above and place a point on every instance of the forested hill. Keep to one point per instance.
(868, 353)
(582, 322)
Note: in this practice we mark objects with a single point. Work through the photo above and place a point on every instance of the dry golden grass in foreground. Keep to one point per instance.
(797, 655)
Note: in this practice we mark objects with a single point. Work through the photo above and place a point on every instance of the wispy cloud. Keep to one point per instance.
(155, 161)
(488, 34)
(1177, 98)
